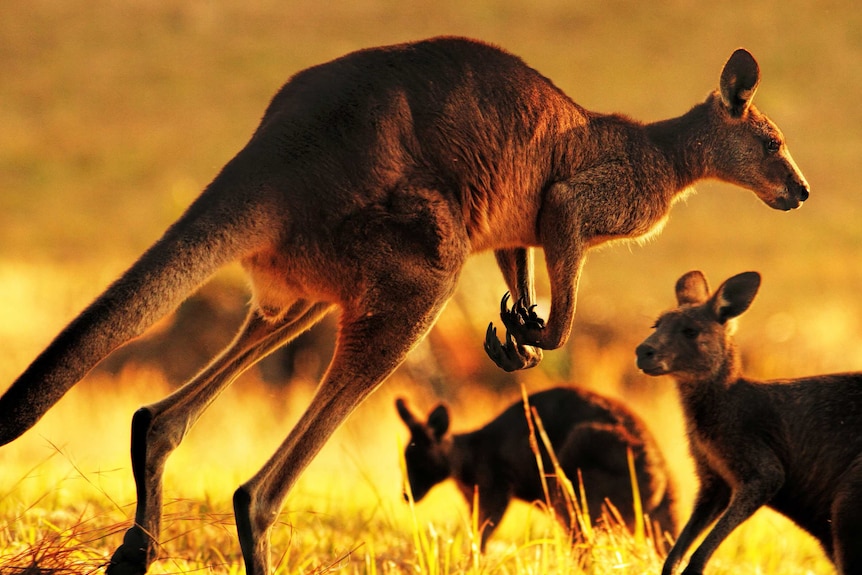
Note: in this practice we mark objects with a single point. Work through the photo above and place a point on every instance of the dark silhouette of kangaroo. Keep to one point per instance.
(368, 183)
(794, 445)
(588, 432)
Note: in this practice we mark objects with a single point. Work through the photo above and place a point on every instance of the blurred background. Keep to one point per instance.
(114, 114)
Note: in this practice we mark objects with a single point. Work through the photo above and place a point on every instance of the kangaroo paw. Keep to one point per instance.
(130, 558)
(510, 356)
(522, 320)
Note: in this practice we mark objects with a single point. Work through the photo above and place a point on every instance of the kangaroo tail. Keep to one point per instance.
(210, 234)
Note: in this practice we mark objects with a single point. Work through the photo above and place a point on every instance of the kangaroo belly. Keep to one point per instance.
(279, 278)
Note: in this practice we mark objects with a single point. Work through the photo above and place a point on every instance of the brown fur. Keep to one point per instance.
(590, 434)
(793, 445)
(367, 185)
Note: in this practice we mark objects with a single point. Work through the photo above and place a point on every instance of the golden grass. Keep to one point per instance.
(68, 497)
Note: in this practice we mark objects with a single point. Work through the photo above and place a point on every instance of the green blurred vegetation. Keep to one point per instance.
(114, 114)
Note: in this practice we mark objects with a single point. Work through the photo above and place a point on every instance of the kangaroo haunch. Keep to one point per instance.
(368, 183)
(588, 432)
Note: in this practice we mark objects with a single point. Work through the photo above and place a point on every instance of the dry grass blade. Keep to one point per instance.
(576, 507)
(57, 552)
(534, 445)
(336, 564)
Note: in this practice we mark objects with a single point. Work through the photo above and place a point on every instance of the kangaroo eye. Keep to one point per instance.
(690, 332)
(773, 145)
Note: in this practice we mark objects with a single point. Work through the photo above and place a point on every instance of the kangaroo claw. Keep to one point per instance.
(521, 321)
(510, 356)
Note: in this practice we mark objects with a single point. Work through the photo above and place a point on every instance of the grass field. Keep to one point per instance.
(115, 114)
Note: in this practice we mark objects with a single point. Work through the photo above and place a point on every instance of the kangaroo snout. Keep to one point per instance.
(648, 360)
(795, 193)
(791, 195)
(798, 190)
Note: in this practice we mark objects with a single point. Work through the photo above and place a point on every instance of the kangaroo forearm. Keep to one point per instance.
(516, 264)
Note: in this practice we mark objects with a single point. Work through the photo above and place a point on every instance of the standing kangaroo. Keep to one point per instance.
(589, 433)
(794, 445)
(368, 183)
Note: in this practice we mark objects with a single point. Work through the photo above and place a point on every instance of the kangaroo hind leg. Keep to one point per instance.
(157, 429)
(374, 338)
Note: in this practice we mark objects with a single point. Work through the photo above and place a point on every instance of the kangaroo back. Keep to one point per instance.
(207, 236)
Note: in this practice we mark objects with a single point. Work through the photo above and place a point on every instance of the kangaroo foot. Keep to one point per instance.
(510, 356)
(131, 558)
(255, 547)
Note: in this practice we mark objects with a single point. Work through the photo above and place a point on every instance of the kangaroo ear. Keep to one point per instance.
(734, 296)
(739, 80)
(438, 421)
(692, 288)
(406, 416)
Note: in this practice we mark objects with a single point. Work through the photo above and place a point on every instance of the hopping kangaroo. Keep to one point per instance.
(794, 445)
(366, 186)
(588, 432)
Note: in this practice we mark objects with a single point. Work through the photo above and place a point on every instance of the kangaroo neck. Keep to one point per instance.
(682, 142)
(665, 156)
(620, 176)
(702, 397)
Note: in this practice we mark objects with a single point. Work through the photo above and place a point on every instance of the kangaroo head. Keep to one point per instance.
(744, 146)
(693, 341)
(427, 454)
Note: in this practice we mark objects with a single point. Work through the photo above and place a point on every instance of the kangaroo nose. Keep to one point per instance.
(650, 361)
(795, 193)
(798, 187)
(644, 354)
(644, 351)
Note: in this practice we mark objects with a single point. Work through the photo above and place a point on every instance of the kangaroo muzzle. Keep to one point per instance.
(648, 360)
(798, 189)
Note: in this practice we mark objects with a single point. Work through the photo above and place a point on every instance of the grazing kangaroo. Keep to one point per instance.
(589, 433)
(366, 186)
(794, 445)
